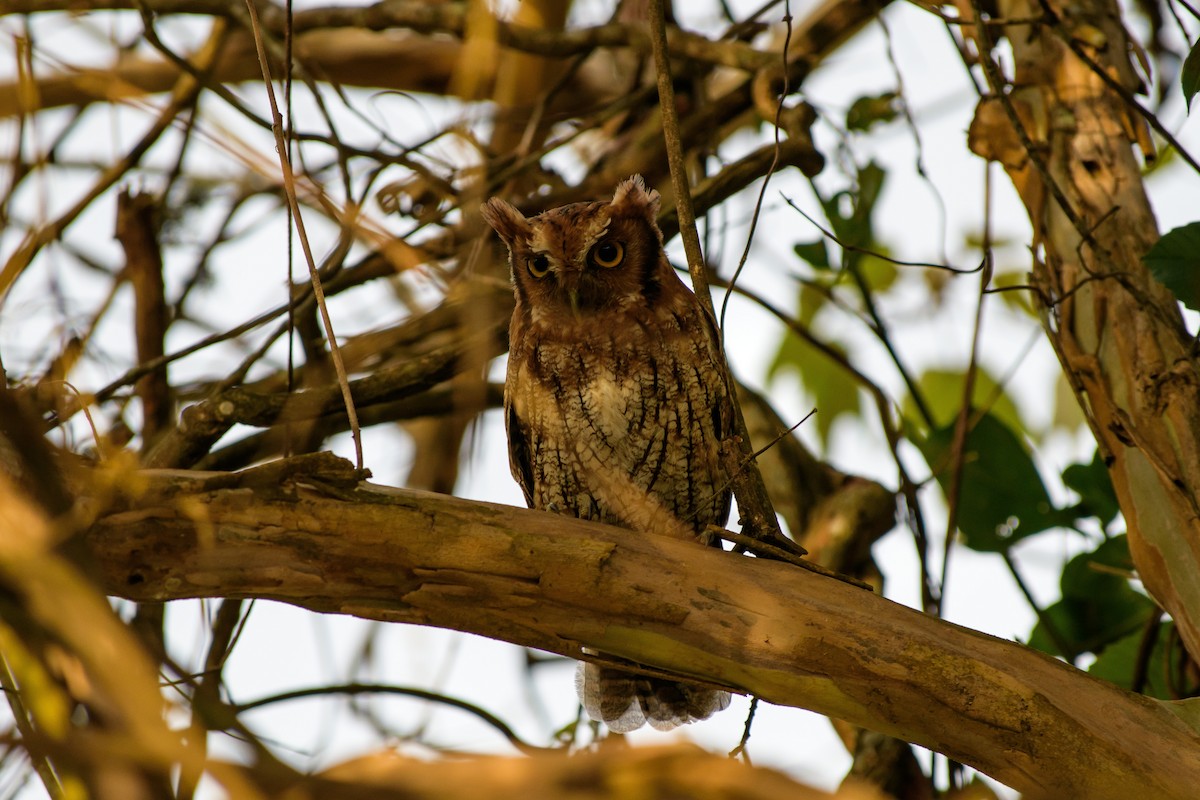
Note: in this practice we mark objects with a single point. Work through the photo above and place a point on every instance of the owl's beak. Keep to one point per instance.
(573, 300)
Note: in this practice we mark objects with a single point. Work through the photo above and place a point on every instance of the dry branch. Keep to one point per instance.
(358, 46)
(558, 584)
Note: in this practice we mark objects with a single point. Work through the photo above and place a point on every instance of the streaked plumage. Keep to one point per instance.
(615, 403)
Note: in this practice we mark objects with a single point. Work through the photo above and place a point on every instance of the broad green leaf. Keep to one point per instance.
(1166, 157)
(1095, 489)
(870, 109)
(1098, 605)
(974, 239)
(870, 186)
(1002, 498)
(1189, 76)
(811, 301)
(943, 394)
(1174, 261)
(1118, 662)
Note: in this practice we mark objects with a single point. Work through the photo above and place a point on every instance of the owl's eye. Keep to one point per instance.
(539, 265)
(609, 253)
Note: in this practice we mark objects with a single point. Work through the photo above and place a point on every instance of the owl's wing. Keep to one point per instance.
(520, 459)
(722, 410)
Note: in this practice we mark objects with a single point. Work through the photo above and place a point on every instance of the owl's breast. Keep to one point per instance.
(609, 401)
(572, 391)
(620, 422)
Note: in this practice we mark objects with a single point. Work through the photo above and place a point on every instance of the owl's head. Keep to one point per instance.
(585, 257)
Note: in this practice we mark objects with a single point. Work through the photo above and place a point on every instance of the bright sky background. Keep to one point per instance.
(284, 648)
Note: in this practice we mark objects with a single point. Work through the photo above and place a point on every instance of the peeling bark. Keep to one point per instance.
(1118, 333)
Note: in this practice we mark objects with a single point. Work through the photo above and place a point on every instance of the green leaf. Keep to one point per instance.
(1189, 76)
(1095, 489)
(815, 253)
(1017, 299)
(1118, 662)
(1174, 261)
(870, 186)
(1098, 605)
(833, 391)
(870, 109)
(812, 300)
(880, 274)
(855, 227)
(1002, 498)
(943, 394)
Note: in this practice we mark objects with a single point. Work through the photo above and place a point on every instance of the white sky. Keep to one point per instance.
(286, 648)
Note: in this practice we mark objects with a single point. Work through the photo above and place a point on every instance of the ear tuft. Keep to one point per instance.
(633, 198)
(506, 220)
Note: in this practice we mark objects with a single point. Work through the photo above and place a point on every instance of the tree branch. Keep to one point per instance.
(616, 772)
(560, 584)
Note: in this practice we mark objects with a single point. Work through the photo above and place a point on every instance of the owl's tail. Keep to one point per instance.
(624, 701)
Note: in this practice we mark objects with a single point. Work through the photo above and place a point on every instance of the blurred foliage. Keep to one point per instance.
(1189, 76)
(1001, 496)
(1174, 261)
(942, 391)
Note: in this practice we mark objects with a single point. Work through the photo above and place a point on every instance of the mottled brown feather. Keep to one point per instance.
(615, 401)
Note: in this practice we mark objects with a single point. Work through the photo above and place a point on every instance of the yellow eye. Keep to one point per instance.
(608, 254)
(539, 265)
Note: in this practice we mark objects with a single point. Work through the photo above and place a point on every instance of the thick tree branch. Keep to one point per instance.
(559, 584)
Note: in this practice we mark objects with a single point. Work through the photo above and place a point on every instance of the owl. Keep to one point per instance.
(615, 402)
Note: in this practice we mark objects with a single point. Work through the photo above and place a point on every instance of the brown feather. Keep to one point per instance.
(615, 401)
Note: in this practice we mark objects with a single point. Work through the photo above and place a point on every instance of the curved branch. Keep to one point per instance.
(560, 584)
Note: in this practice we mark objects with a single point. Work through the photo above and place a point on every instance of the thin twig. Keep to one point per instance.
(962, 421)
(289, 185)
(853, 248)
(406, 691)
(764, 549)
(754, 505)
(997, 83)
(762, 191)
(30, 741)
(1058, 27)
(740, 750)
(183, 95)
(1065, 647)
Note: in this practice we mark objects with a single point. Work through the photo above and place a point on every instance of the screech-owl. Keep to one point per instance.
(615, 402)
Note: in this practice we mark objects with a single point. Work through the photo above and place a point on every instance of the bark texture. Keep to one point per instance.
(751, 625)
(1118, 332)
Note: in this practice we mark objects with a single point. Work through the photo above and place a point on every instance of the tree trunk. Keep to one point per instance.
(1118, 332)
